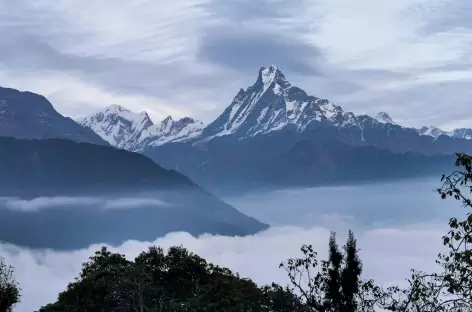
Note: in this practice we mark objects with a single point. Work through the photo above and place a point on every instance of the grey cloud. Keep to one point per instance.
(419, 104)
(247, 51)
(233, 52)
(25, 54)
(445, 16)
(339, 84)
(241, 10)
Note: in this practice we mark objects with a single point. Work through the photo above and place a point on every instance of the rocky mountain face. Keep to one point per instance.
(28, 115)
(133, 131)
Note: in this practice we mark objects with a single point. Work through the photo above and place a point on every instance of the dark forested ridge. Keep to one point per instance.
(28, 115)
(92, 175)
(274, 161)
(57, 166)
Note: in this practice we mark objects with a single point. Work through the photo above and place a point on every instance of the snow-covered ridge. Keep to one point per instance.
(435, 132)
(170, 130)
(270, 104)
(384, 118)
(133, 131)
(273, 104)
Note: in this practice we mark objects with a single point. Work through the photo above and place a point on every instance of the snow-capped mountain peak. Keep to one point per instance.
(170, 130)
(384, 118)
(271, 104)
(133, 131)
(166, 124)
(431, 131)
(141, 118)
(271, 75)
(117, 125)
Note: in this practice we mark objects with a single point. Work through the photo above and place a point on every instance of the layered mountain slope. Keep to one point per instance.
(134, 131)
(80, 179)
(28, 115)
(333, 162)
(287, 158)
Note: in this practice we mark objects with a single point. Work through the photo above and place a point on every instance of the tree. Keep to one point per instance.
(279, 299)
(335, 284)
(350, 276)
(176, 281)
(9, 290)
(334, 296)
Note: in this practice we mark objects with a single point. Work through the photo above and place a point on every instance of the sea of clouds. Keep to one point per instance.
(388, 255)
(398, 227)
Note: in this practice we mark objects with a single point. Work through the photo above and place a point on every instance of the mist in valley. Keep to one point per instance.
(398, 225)
(364, 206)
(85, 220)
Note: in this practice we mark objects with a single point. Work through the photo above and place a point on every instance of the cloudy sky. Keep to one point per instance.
(411, 58)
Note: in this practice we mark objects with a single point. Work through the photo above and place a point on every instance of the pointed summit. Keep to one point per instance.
(167, 119)
(117, 125)
(271, 75)
(384, 118)
(272, 104)
(166, 124)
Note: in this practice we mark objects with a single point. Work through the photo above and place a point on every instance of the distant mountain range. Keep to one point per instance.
(269, 128)
(272, 104)
(89, 174)
(273, 127)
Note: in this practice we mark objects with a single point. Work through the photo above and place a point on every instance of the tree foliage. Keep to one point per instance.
(449, 289)
(174, 281)
(335, 285)
(9, 290)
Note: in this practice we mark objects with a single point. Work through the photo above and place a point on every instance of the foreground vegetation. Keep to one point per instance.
(178, 280)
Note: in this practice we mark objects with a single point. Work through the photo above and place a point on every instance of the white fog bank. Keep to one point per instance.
(388, 255)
